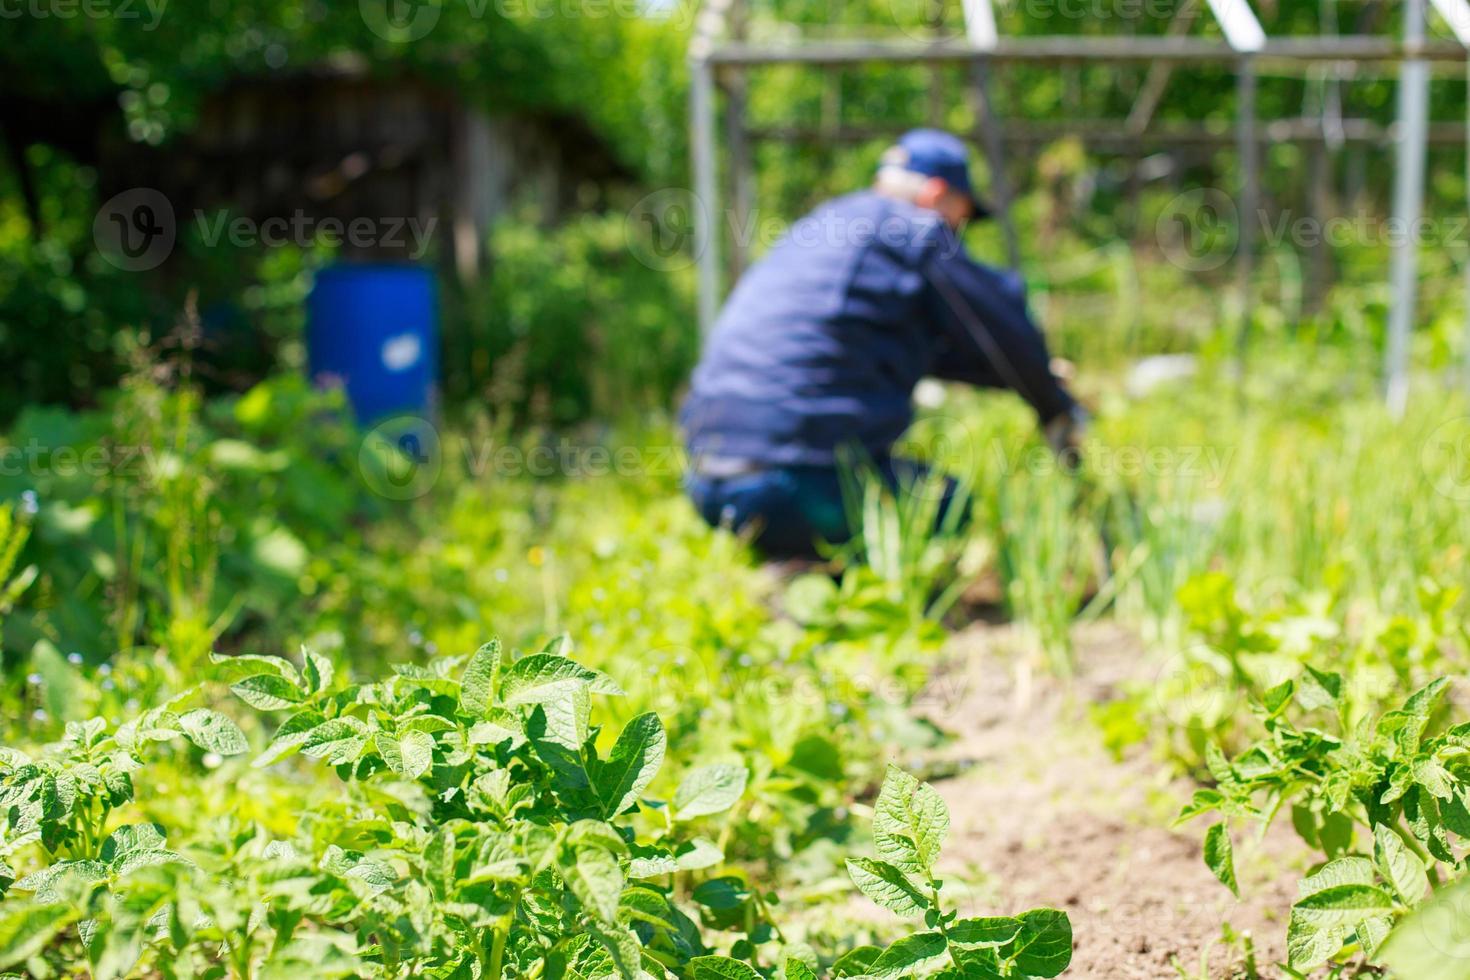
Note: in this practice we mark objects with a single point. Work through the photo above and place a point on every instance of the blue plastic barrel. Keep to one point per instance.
(373, 328)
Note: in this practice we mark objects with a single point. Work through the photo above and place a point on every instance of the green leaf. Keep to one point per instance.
(1320, 689)
(698, 854)
(1432, 943)
(722, 968)
(235, 666)
(1277, 698)
(338, 741)
(319, 671)
(887, 886)
(910, 822)
(583, 958)
(1431, 774)
(856, 962)
(623, 949)
(649, 906)
(652, 866)
(144, 859)
(1400, 781)
(1421, 703)
(1399, 866)
(988, 932)
(45, 885)
(136, 846)
(1218, 765)
(27, 929)
(377, 875)
(289, 737)
(477, 686)
(1351, 870)
(542, 677)
(213, 732)
(267, 692)
(431, 724)
(1322, 922)
(596, 880)
(1371, 933)
(1043, 948)
(632, 764)
(1421, 808)
(907, 955)
(131, 839)
(709, 789)
(497, 727)
(1220, 856)
(797, 970)
(562, 720)
(410, 755)
(721, 894)
(439, 862)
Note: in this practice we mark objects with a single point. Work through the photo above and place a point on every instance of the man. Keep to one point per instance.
(814, 358)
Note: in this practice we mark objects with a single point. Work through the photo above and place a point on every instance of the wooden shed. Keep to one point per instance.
(339, 141)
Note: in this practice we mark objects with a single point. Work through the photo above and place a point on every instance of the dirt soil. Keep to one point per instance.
(1045, 816)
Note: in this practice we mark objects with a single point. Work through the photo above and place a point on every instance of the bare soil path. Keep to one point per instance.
(1046, 816)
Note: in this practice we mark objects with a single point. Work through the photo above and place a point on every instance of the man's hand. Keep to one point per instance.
(1064, 435)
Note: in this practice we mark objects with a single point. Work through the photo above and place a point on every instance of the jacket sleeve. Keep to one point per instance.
(984, 334)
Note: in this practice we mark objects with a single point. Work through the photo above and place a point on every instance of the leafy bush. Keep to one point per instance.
(490, 834)
(571, 323)
(163, 520)
(1385, 802)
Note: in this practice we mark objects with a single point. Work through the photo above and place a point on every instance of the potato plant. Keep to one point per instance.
(1386, 802)
(522, 836)
(490, 832)
(910, 824)
(60, 803)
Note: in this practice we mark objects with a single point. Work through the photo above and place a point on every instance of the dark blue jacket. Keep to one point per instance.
(823, 339)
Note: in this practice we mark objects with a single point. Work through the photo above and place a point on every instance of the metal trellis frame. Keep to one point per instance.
(720, 57)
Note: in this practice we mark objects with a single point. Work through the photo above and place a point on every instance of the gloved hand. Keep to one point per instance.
(1064, 435)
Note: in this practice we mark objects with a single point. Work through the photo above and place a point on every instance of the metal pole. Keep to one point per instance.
(1000, 189)
(742, 205)
(706, 203)
(1466, 354)
(1249, 152)
(1053, 49)
(1408, 194)
(741, 199)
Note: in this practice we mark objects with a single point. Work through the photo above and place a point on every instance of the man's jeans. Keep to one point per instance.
(790, 508)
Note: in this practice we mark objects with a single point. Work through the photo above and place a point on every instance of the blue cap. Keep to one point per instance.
(935, 153)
